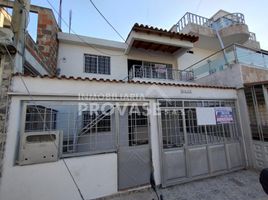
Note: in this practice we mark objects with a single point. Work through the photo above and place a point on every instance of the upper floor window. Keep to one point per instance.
(97, 64)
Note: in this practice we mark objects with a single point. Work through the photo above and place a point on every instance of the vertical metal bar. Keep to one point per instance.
(68, 133)
(265, 94)
(75, 132)
(44, 119)
(187, 161)
(255, 105)
(226, 150)
(235, 54)
(242, 135)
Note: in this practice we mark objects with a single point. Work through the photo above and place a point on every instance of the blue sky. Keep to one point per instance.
(160, 13)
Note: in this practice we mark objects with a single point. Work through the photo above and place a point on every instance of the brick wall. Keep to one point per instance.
(45, 50)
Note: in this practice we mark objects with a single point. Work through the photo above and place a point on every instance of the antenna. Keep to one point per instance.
(70, 21)
(60, 11)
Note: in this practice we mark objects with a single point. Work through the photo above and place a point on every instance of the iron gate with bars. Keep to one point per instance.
(191, 151)
(257, 98)
(117, 127)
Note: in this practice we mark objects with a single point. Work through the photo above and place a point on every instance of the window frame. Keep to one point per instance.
(98, 57)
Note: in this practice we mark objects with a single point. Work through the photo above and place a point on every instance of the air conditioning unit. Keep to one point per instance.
(39, 147)
(6, 36)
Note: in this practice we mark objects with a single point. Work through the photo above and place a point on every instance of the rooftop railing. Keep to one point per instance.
(252, 36)
(225, 21)
(222, 59)
(159, 73)
(192, 18)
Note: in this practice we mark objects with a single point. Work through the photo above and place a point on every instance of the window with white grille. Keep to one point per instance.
(95, 123)
(97, 64)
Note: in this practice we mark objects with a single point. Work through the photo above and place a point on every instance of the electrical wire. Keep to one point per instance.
(78, 36)
(107, 21)
(90, 45)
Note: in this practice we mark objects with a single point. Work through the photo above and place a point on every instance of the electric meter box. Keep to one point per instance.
(39, 147)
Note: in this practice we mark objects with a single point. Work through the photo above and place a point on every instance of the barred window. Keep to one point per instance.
(96, 122)
(137, 126)
(97, 64)
(40, 118)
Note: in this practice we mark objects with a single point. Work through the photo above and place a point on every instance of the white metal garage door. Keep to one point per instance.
(191, 151)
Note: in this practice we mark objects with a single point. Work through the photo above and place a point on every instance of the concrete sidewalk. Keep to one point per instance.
(242, 185)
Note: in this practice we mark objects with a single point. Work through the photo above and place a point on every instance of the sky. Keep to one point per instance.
(123, 14)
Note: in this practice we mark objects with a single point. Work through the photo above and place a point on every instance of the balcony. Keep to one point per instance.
(233, 54)
(220, 23)
(231, 28)
(159, 73)
(158, 40)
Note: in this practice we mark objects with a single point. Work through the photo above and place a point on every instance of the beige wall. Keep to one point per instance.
(188, 59)
(250, 74)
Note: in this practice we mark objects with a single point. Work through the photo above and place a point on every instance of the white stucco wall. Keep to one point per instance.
(71, 61)
(96, 175)
(72, 50)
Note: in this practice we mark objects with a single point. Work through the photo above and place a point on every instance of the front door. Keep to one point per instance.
(134, 162)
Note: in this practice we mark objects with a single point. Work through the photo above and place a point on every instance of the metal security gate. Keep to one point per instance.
(191, 151)
(134, 162)
(257, 98)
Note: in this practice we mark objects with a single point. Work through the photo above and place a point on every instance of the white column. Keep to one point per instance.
(155, 143)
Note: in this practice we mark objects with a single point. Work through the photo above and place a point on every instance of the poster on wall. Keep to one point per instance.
(224, 115)
(205, 116)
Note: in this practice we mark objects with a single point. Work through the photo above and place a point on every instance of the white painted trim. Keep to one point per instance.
(85, 40)
(43, 86)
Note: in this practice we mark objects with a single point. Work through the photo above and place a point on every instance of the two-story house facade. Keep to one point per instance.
(121, 113)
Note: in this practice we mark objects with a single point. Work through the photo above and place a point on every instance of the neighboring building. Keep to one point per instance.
(118, 112)
(40, 56)
(241, 64)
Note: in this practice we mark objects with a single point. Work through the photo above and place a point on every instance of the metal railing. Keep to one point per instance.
(228, 20)
(192, 18)
(222, 22)
(222, 59)
(161, 73)
(252, 36)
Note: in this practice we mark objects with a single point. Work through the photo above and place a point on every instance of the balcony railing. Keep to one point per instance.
(228, 20)
(189, 18)
(160, 73)
(222, 59)
(252, 36)
(225, 21)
